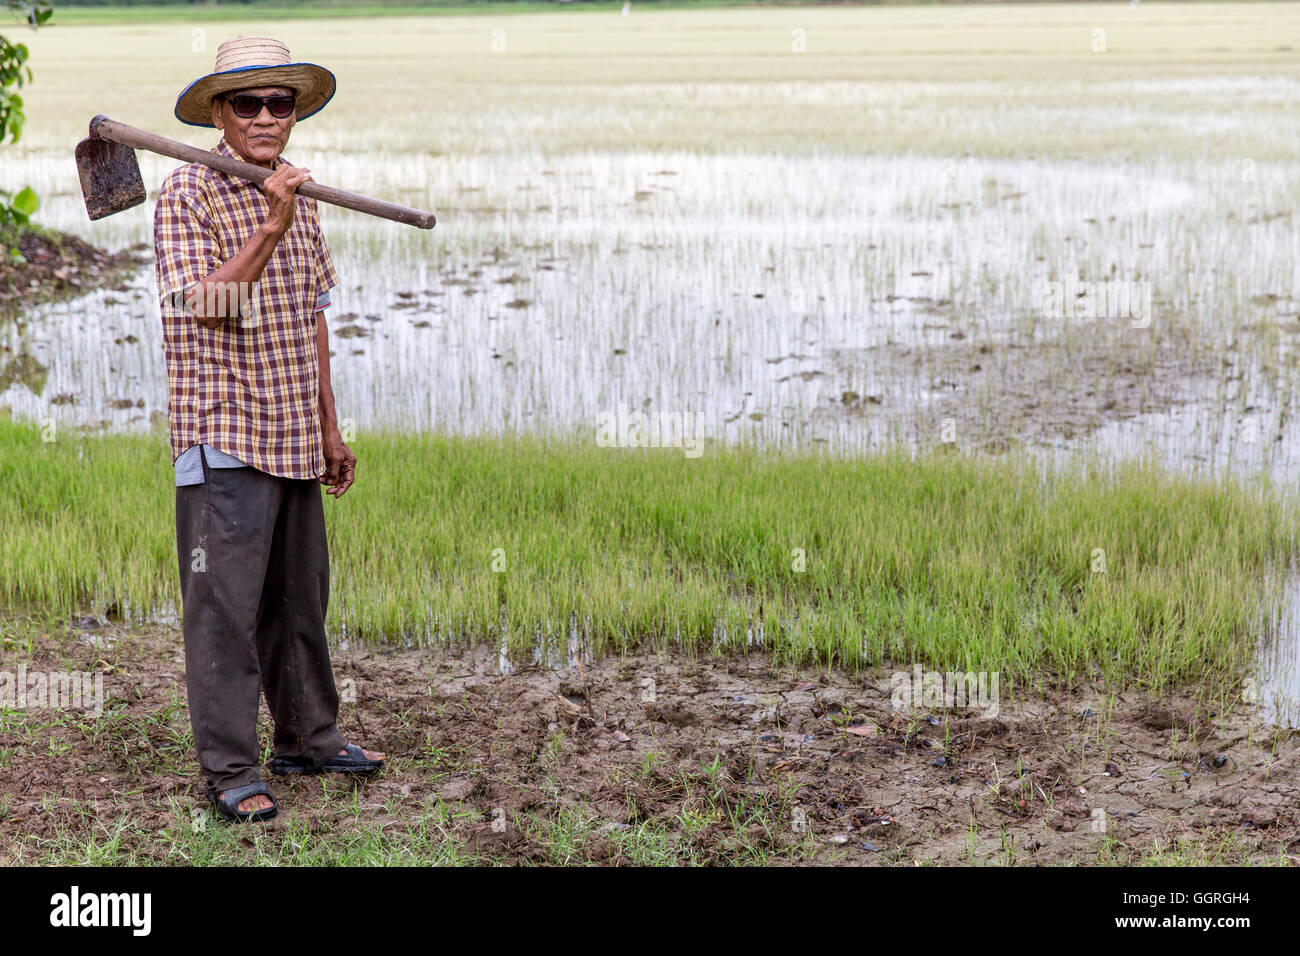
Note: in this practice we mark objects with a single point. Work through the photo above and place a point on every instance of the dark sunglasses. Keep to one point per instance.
(246, 105)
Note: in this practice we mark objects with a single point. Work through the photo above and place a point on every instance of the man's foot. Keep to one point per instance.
(259, 801)
(354, 760)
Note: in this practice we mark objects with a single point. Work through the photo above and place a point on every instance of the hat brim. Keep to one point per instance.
(314, 84)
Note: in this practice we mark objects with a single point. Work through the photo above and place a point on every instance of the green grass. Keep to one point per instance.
(112, 830)
(1215, 848)
(423, 837)
(117, 839)
(945, 560)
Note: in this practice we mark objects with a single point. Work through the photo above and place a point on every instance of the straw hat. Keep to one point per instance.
(245, 62)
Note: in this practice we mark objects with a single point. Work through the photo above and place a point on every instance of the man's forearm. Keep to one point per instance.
(239, 272)
(340, 463)
(328, 418)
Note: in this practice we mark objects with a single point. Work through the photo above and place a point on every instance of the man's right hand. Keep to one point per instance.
(279, 191)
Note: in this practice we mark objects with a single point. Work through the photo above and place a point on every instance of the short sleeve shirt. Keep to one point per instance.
(249, 388)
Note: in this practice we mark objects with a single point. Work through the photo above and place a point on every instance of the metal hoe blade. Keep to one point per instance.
(110, 177)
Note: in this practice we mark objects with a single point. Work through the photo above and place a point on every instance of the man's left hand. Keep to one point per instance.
(340, 464)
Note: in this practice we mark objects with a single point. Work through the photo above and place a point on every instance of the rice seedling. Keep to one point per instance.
(1136, 576)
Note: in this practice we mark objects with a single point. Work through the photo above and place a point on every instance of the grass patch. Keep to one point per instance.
(1140, 578)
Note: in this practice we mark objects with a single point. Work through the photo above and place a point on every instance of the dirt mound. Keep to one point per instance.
(59, 266)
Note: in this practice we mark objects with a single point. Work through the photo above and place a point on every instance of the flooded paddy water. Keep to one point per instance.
(870, 257)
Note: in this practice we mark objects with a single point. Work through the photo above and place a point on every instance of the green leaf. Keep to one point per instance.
(26, 202)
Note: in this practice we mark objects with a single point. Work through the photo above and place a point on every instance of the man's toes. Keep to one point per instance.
(370, 754)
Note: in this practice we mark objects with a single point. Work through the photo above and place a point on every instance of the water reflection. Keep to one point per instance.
(1276, 688)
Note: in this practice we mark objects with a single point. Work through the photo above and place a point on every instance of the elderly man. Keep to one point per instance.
(253, 429)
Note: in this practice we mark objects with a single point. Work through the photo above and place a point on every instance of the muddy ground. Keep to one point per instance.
(729, 761)
(995, 396)
(59, 265)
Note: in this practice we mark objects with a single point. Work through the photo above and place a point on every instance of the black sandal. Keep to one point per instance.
(228, 801)
(354, 761)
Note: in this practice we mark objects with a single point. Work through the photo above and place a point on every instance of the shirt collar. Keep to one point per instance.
(225, 149)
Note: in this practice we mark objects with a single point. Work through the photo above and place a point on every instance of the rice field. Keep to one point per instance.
(813, 234)
(561, 551)
(844, 246)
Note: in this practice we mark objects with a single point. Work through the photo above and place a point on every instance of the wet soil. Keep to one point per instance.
(994, 396)
(61, 266)
(734, 759)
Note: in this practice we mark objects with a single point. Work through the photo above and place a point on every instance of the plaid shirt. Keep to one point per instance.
(251, 387)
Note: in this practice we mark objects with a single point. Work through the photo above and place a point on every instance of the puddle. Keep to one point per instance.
(531, 320)
(1276, 687)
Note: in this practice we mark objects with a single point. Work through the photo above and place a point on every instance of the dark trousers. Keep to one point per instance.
(255, 586)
